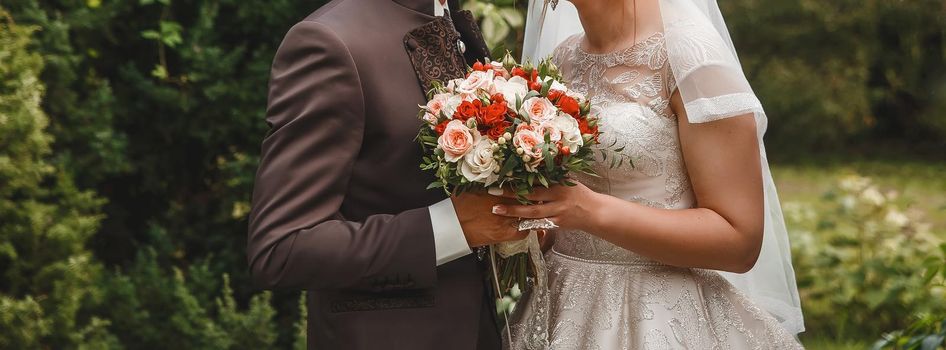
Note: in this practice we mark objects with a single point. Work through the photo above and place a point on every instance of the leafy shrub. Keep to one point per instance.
(48, 276)
(54, 292)
(859, 260)
(158, 309)
(928, 331)
(833, 72)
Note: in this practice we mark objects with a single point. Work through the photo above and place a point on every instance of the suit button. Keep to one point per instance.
(411, 44)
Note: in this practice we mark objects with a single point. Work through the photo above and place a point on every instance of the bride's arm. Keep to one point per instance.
(724, 231)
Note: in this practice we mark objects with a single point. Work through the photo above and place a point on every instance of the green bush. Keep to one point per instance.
(845, 72)
(928, 330)
(859, 261)
(55, 292)
(48, 275)
(158, 309)
(157, 106)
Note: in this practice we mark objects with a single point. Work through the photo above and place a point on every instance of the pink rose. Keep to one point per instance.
(476, 81)
(434, 107)
(436, 104)
(430, 119)
(528, 140)
(550, 128)
(499, 70)
(539, 109)
(457, 140)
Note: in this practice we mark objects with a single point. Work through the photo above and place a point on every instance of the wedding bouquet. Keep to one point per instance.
(507, 126)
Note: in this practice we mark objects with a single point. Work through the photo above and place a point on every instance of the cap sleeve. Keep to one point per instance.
(705, 70)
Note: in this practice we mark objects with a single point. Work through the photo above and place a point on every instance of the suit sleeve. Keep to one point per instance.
(297, 236)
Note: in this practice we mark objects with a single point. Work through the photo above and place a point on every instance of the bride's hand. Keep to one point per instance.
(568, 207)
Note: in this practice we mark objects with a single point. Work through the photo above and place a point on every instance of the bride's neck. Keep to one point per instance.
(608, 24)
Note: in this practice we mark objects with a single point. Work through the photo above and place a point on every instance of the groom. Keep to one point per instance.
(340, 206)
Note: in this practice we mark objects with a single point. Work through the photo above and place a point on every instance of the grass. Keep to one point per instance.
(921, 186)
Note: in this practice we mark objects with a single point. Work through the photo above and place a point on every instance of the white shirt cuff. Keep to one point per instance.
(449, 241)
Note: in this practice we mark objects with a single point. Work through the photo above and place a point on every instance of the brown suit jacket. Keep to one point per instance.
(340, 206)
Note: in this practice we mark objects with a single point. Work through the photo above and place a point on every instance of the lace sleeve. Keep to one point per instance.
(708, 76)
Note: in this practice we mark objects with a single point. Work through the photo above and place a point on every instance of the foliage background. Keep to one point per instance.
(129, 135)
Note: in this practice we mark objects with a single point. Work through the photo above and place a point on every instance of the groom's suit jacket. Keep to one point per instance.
(340, 205)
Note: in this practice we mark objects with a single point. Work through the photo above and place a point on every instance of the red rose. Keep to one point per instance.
(441, 127)
(478, 66)
(569, 106)
(497, 131)
(498, 98)
(518, 72)
(467, 110)
(564, 151)
(493, 114)
(535, 86)
(587, 129)
(535, 75)
(554, 95)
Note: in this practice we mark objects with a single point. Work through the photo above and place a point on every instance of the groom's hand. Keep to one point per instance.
(480, 226)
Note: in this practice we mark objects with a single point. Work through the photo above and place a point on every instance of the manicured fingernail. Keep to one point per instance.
(498, 209)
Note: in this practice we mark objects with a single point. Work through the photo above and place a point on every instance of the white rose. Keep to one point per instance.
(556, 85)
(450, 106)
(570, 133)
(452, 85)
(476, 81)
(479, 165)
(539, 110)
(513, 88)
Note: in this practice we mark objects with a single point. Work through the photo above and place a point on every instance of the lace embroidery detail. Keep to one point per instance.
(617, 306)
(602, 296)
(711, 109)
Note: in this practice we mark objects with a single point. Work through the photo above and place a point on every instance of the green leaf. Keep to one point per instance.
(159, 72)
(547, 154)
(170, 33)
(546, 85)
(150, 34)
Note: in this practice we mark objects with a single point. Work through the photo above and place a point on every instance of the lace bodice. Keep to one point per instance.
(630, 91)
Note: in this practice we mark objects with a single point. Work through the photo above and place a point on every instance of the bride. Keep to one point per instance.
(686, 247)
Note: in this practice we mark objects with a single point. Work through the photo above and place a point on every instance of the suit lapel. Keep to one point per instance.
(472, 36)
(434, 48)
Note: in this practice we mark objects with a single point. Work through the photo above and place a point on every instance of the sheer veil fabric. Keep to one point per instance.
(713, 86)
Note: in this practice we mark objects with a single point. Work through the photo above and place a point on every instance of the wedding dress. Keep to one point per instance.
(601, 296)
